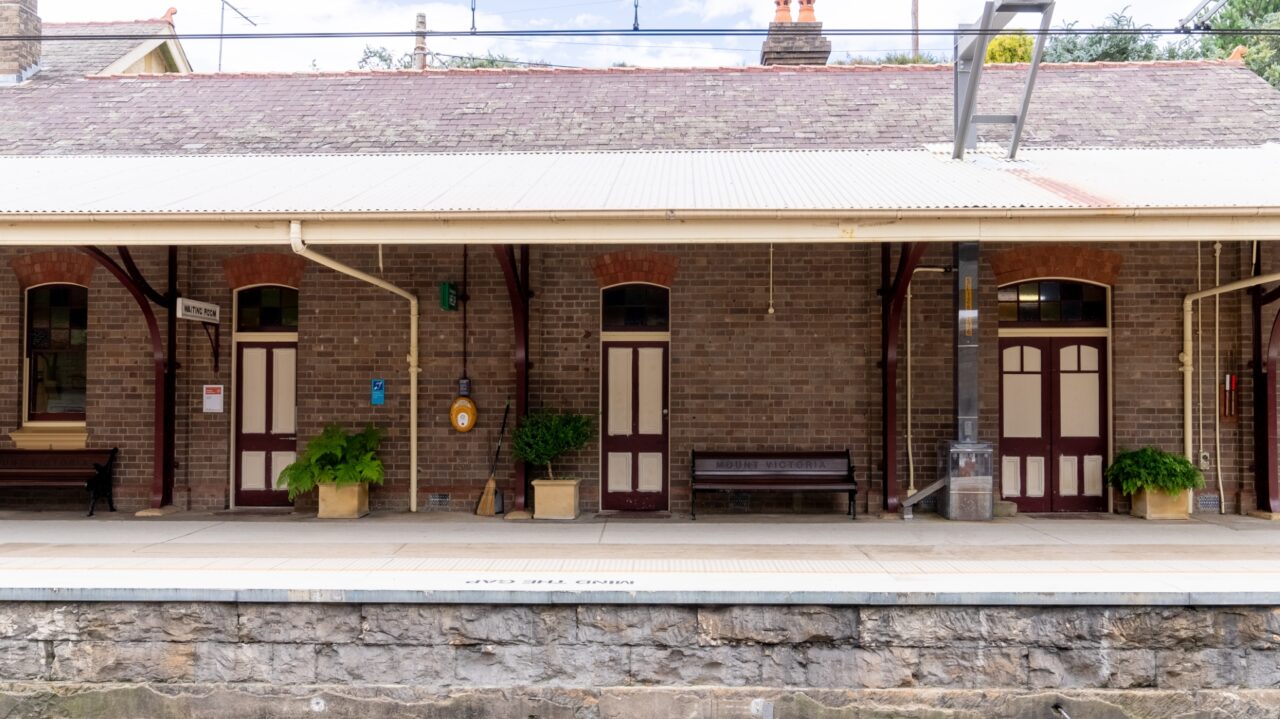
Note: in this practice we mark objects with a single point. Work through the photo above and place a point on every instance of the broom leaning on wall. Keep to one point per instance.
(485, 507)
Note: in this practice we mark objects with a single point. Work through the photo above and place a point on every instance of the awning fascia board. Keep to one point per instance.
(336, 230)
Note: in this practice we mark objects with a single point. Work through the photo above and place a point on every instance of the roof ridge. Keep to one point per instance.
(141, 21)
(710, 70)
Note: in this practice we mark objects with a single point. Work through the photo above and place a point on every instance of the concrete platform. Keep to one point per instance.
(447, 558)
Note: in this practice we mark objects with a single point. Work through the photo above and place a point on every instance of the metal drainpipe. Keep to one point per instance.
(299, 246)
(1188, 349)
(911, 460)
(1217, 374)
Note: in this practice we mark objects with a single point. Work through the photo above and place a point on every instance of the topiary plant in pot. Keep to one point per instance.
(342, 465)
(541, 439)
(1157, 481)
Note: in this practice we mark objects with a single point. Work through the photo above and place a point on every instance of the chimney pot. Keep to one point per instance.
(806, 11)
(783, 12)
(19, 59)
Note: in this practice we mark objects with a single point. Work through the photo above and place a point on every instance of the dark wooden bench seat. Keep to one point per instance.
(772, 472)
(91, 469)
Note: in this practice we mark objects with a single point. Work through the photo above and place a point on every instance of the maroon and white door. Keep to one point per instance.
(265, 421)
(1053, 423)
(634, 427)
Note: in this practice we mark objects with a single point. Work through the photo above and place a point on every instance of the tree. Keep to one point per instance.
(488, 60)
(1132, 43)
(1239, 15)
(892, 58)
(380, 58)
(1004, 49)
(1263, 55)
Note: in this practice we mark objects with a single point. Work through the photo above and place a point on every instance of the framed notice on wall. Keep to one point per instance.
(213, 399)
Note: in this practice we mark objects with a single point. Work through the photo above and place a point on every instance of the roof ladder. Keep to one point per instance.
(971, 52)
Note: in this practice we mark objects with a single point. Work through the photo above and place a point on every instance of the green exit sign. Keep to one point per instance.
(448, 297)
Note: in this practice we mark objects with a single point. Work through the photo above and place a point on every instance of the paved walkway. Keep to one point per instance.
(758, 559)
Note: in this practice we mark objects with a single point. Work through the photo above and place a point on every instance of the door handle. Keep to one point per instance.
(665, 412)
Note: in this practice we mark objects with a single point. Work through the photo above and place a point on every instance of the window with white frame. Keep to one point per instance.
(57, 343)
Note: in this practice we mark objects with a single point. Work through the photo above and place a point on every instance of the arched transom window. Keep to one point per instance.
(1059, 303)
(636, 308)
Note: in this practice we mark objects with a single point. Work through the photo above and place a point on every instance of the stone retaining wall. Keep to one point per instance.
(610, 662)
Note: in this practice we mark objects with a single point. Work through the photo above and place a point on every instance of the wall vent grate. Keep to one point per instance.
(438, 501)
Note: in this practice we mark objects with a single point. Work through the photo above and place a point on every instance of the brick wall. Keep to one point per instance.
(804, 377)
(18, 17)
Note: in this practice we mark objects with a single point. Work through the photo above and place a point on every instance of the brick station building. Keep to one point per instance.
(756, 243)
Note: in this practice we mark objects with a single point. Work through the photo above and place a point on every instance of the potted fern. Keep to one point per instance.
(342, 465)
(1157, 481)
(542, 439)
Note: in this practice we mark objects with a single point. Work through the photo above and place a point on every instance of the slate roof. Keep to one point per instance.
(65, 60)
(1179, 104)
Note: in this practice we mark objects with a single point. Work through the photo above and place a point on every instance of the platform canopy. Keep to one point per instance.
(855, 190)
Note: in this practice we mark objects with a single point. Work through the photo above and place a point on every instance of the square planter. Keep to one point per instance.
(555, 498)
(1158, 505)
(349, 501)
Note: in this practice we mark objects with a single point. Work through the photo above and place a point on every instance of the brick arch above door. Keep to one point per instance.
(1063, 261)
(263, 268)
(627, 266)
(59, 267)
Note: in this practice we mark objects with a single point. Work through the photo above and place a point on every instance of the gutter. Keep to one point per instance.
(300, 247)
(631, 215)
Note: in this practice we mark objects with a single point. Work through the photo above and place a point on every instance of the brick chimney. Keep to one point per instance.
(19, 59)
(795, 43)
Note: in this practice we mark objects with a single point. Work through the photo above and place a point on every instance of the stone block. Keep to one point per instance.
(476, 624)
(967, 667)
(583, 666)
(37, 620)
(498, 665)
(299, 623)
(1158, 628)
(713, 666)
(22, 660)
(638, 625)
(160, 622)
(93, 662)
(858, 668)
(776, 625)
(945, 627)
(409, 624)
(1091, 668)
(1190, 669)
(280, 664)
(364, 664)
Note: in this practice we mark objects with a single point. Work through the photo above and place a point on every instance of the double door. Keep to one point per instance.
(1053, 423)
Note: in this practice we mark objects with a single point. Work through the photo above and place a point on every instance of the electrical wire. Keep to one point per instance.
(661, 32)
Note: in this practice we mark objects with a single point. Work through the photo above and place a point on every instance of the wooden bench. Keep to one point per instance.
(773, 472)
(91, 469)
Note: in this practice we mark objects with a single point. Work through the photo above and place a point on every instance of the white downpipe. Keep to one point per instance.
(911, 455)
(1188, 349)
(300, 247)
(1217, 377)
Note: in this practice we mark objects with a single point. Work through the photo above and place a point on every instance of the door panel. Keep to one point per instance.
(1053, 423)
(634, 448)
(266, 397)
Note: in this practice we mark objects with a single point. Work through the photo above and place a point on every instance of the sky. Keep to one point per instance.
(202, 16)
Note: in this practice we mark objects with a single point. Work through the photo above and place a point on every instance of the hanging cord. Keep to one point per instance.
(771, 278)
(464, 299)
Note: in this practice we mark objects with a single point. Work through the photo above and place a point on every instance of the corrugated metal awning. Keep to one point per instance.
(620, 182)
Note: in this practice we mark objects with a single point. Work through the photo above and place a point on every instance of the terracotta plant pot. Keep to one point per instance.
(555, 498)
(1158, 505)
(349, 501)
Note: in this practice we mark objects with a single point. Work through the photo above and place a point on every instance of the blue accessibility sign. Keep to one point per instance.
(378, 393)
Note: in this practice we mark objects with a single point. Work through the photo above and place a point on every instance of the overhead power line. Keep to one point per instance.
(668, 32)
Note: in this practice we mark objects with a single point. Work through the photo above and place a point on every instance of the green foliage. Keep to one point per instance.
(336, 457)
(488, 60)
(1239, 15)
(380, 58)
(1004, 49)
(1153, 470)
(1135, 43)
(545, 437)
(892, 58)
(1263, 56)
